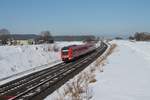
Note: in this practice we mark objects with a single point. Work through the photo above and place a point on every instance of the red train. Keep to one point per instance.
(71, 52)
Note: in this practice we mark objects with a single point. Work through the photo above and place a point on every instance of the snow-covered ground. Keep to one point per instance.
(15, 59)
(126, 74)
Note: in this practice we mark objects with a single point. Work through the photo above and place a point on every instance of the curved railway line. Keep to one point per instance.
(38, 85)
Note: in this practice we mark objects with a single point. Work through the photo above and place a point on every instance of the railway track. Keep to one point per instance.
(38, 85)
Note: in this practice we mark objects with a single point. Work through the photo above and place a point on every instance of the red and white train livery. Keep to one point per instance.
(71, 52)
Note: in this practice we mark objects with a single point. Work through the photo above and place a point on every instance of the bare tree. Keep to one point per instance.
(137, 36)
(46, 36)
(4, 36)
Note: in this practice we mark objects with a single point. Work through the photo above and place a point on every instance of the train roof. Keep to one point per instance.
(66, 47)
(75, 46)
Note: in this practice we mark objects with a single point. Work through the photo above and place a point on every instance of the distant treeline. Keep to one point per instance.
(140, 36)
(43, 37)
(55, 38)
(74, 38)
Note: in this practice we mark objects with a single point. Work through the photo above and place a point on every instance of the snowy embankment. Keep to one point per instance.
(16, 59)
(126, 73)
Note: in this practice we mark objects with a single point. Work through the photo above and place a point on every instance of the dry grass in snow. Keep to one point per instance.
(101, 61)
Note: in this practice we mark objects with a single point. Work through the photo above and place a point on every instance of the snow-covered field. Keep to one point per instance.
(126, 74)
(15, 59)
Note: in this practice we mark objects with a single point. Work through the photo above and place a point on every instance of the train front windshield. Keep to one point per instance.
(65, 52)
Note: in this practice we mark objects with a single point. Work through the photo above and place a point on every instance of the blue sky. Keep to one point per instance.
(70, 17)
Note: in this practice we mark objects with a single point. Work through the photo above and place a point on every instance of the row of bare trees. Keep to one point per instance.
(43, 37)
(142, 36)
